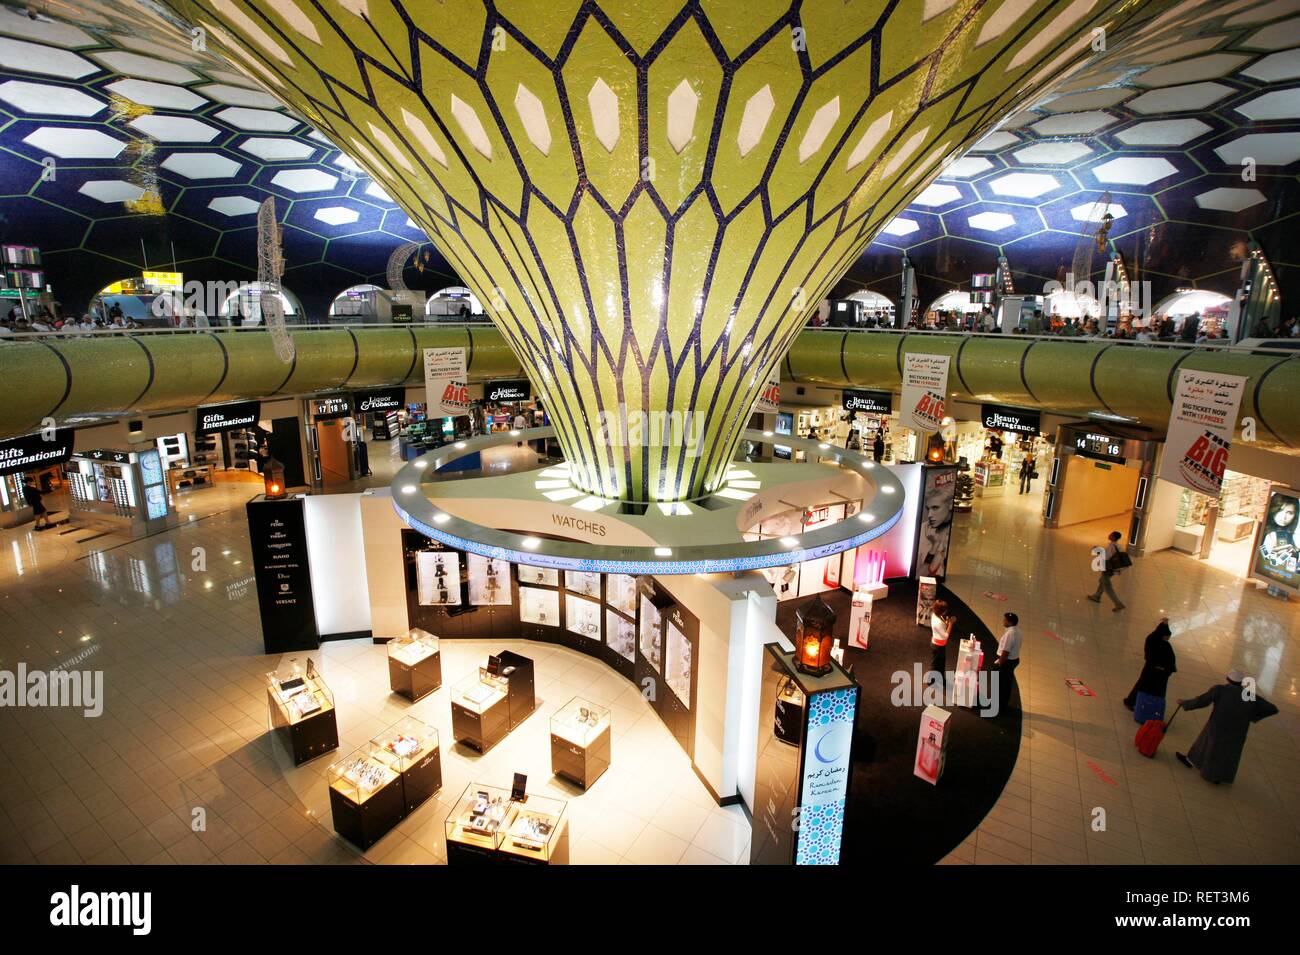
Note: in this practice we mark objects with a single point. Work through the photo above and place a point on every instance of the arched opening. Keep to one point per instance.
(1191, 301)
(243, 306)
(362, 303)
(147, 301)
(956, 301)
(877, 309)
(453, 302)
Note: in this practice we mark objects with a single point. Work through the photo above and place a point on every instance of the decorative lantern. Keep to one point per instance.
(274, 475)
(812, 643)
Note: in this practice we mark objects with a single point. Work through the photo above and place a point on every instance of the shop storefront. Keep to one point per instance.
(1103, 471)
(121, 486)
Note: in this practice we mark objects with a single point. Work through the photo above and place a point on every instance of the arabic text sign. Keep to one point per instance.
(925, 383)
(1200, 430)
(446, 390)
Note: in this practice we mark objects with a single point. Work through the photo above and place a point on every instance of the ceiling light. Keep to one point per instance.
(866, 518)
(663, 552)
(888, 489)
(460, 445)
(868, 465)
(441, 518)
(422, 464)
(790, 541)
(408, 488)
(532, 543)
(824, 446)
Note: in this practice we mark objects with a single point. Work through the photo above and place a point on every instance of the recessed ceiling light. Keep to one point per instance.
(888, 489)
(663, 552)
(408, 488)
(790, 541)
(514, 434)
(824, 446)
(421, 464)
(767, 434)
(460, 445)
(441, 518)
(868, 465)
(866, 518)
(532, 543)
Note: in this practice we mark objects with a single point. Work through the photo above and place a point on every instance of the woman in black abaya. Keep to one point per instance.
(1160, 665)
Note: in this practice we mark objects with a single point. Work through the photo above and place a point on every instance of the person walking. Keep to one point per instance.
(941, 622)
(1108, 571)
(1008, 659)
(1217, 750)
(34, 497)
(1160, 664)
(1026, 473)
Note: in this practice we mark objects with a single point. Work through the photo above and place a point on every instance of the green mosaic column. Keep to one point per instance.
(649, 196)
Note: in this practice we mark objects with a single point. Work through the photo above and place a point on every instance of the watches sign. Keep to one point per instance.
(241, 414)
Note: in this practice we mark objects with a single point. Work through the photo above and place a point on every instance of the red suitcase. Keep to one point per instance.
(1151, 734)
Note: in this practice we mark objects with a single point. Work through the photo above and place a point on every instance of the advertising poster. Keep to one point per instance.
(932, 744)
(1274, 560)
(828, 752)
(925, 385)
(860, 620)
(445, 387)
(1200, 430)
(927, 591)
(938, 491)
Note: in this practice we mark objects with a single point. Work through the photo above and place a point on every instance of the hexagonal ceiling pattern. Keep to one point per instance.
(649, 196)
(167, 151)
(532, 123)
(1167, 129)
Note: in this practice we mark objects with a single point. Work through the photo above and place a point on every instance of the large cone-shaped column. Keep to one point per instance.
(649, 196)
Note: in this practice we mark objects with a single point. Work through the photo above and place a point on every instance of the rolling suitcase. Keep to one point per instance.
(1151, 735)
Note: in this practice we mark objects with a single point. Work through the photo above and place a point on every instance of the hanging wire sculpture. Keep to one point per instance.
(270, 267)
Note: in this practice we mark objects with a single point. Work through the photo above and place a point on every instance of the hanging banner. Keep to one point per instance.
(769, 401)
(925, 383)
(445, 387)
(1200, 430)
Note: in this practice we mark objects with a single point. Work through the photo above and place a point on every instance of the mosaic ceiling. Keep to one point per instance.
(1164, 130)
(115, 136)
(684, 169)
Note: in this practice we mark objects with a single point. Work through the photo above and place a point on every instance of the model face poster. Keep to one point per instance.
(925, 387)
(1275, 555)
(1200, 430)
(937, 494)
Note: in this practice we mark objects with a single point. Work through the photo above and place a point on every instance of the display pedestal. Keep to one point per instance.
(415, 681)
(422, 779)
(365, 823)
(490, 827)
(482, 730)
(306, 737)
(580, 734)
(520, 694)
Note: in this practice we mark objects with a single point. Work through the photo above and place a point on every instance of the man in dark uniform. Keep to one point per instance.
(33, 495)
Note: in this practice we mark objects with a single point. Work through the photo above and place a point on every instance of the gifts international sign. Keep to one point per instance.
(445, 387)
(1200, 430)
(925, 383)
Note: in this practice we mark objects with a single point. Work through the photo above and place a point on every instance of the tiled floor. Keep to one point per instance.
(1077, 754)
(184, 725)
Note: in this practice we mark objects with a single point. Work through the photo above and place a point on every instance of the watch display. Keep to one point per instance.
(547, 576)
(438, 578)
(360, 775)
(620, 635)
(680, 658)
(297, 693)
(651, 634)
(480, 691)
(487, 817)
(620, 593)
(582, 582)
(539, 606)
(580, 721)
(405, 744)
(489, 581)
(582, 616)
(413, 646)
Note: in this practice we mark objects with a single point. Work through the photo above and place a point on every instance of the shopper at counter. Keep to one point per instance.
(1108, 570)
(941, 623)
(1217, 750)
(1160, 664)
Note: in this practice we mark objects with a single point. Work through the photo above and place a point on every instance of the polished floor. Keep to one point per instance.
(184, 725)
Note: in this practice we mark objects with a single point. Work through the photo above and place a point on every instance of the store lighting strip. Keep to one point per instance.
(419, 512)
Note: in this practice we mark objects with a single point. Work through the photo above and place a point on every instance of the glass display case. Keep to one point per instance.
(438, 578)
(679, 659)
(582, 616)
(489, 581)
(651, 634)
(620, 635)
(414, 664)
(487, 825)
(546, 576)
(301, 709)
(580, 741)
(539, 606)
(582, 582)
(410, 748)
(620, 593)
(480, 710)
(365, 796)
